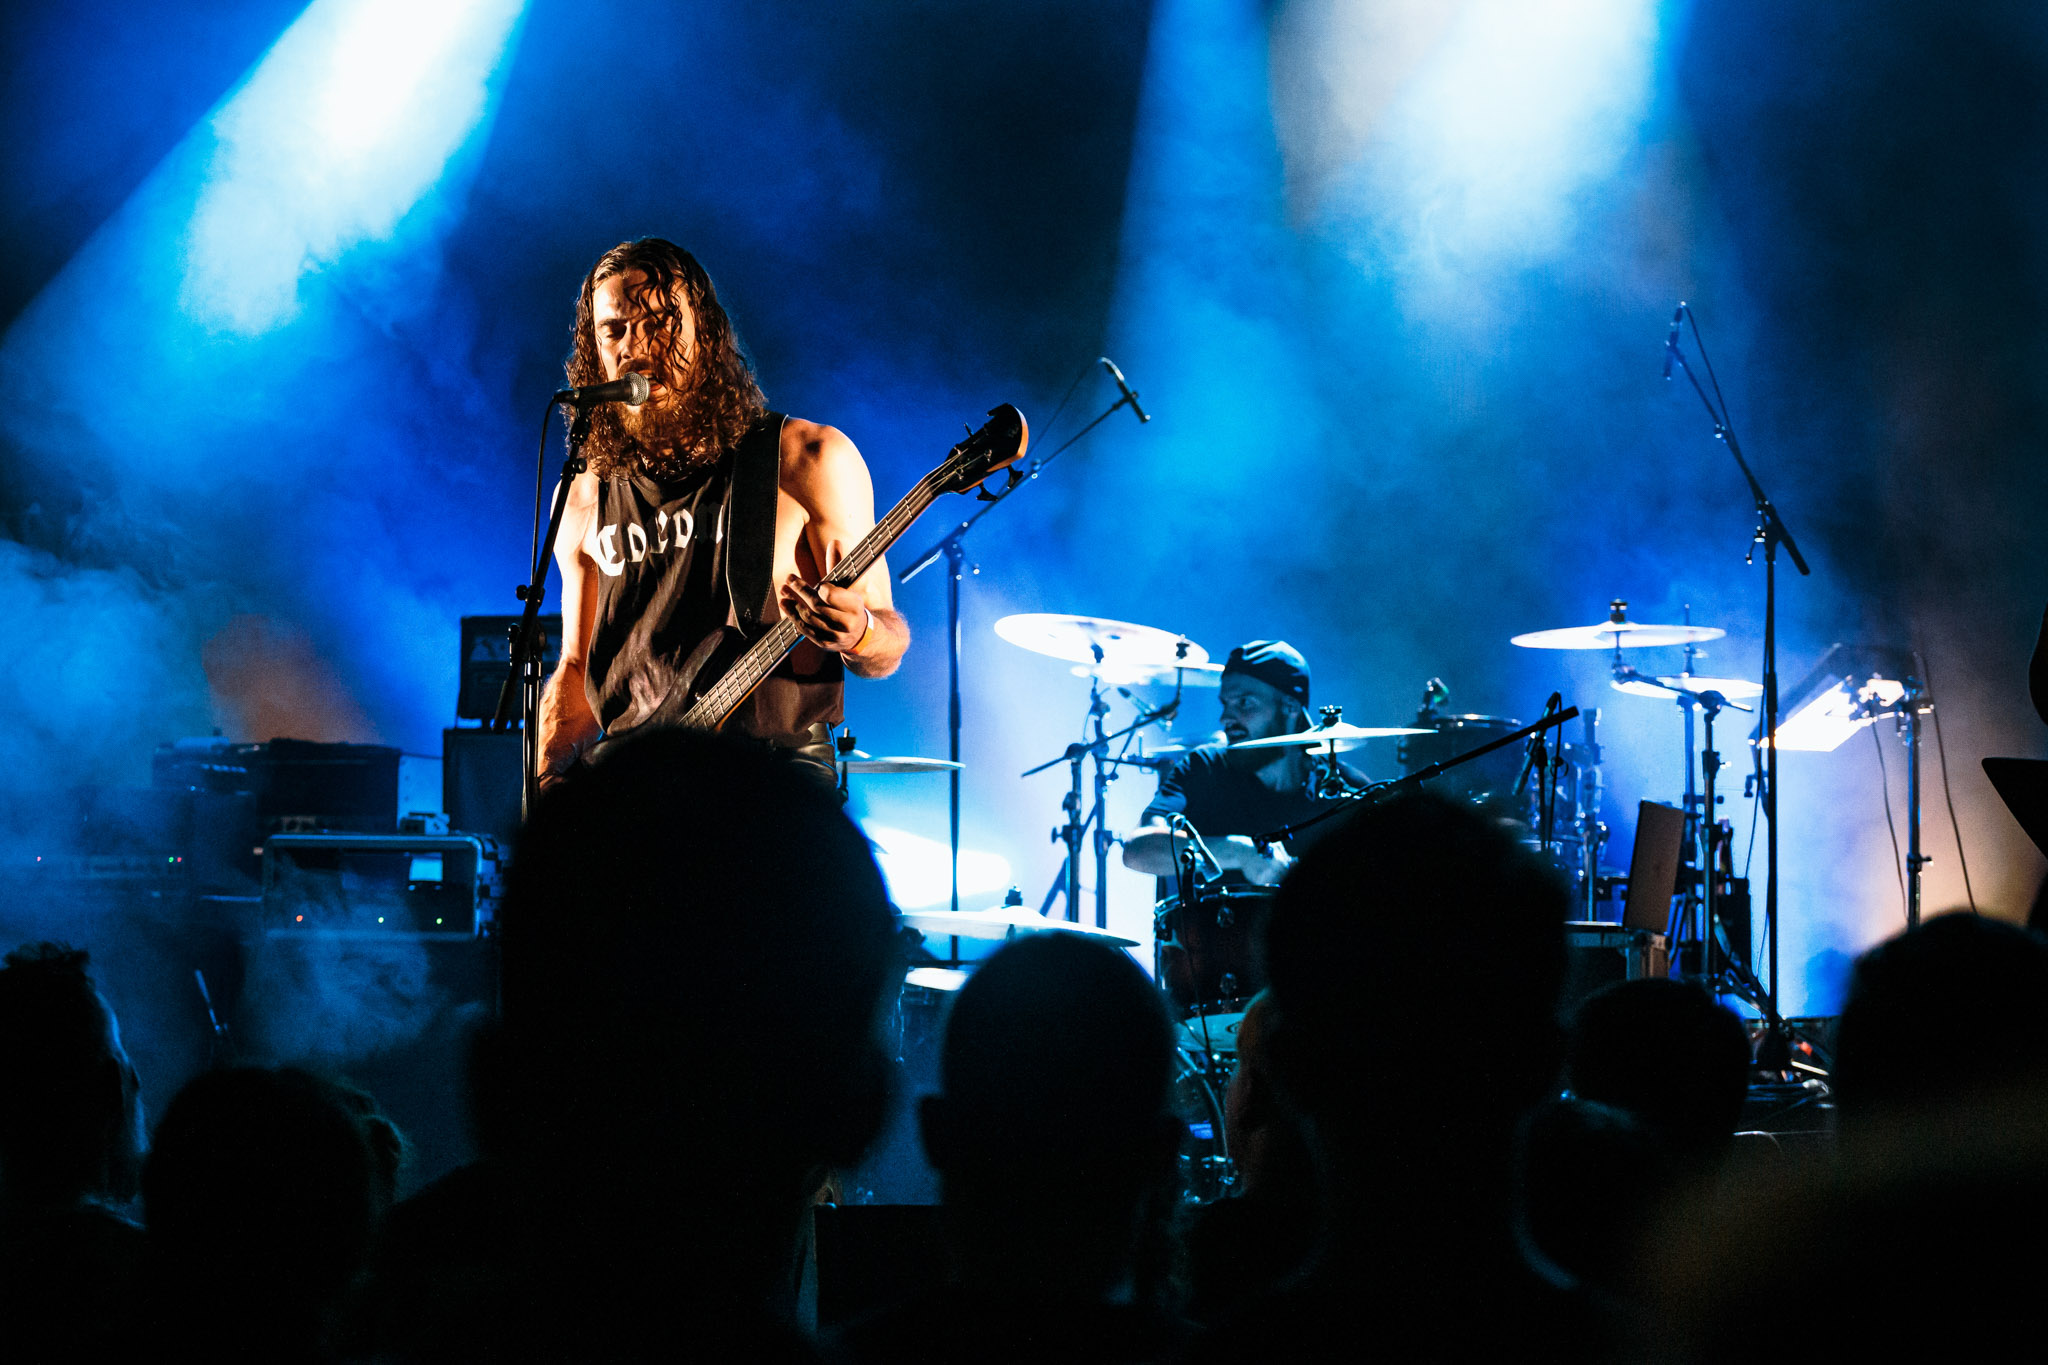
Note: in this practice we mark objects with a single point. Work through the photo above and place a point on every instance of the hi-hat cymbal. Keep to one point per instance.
(1152, 675)
(1616, 632)
(1003, 922)
(858, 762)
(1093, 640)
(1343, 735)
(1639, 685)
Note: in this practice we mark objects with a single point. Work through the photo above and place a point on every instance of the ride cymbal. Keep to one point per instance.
(1096, 641)
(1616, 632)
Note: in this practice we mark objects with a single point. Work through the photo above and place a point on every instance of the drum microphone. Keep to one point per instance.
(1536, 743)
(1176, 820)
(631, 389)
(1671, 337)
(1123, 388)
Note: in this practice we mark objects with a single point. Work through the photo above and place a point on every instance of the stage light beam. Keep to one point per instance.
(343, 127)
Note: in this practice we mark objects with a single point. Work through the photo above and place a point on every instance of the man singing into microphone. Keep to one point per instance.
(666, 540)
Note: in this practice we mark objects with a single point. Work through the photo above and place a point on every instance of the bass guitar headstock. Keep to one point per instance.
(997, 446)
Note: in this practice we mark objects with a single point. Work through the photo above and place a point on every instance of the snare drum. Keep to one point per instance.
(1211, 949)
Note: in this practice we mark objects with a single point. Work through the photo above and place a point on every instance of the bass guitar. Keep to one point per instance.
(726, 668)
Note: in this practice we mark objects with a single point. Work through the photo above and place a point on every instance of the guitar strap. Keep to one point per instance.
(750, 522)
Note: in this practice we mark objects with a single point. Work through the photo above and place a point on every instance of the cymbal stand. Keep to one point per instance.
(1075, 831)
(1908, 710)
(1327, 780)
(1710, 704)
(1588, 794)
(1774, 1048)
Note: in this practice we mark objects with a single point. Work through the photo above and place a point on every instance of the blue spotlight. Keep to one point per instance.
(1519, 109)
(340, 130)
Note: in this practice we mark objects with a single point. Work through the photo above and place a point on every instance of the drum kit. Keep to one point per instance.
(1206, 936)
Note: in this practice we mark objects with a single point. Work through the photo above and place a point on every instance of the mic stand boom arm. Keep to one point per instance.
(953, 546)
(1381, 791)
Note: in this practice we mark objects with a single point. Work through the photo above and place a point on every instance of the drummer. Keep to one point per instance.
(1230, 794)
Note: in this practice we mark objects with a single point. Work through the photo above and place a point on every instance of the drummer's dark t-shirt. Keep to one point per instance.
(1221, 798)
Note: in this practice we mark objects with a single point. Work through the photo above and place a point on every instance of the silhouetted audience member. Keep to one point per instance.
(1057, 1150)
(1955, 1008)
(389, 1150)
(1922, 1238)
(70, 1151)
(1593, 1177)
(1415, 956)
(261, 1195)
(697, 952)
(1668, 1053)
(1245, 1244)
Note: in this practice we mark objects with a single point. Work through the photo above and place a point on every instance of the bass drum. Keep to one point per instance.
(1206, 1172)
(1487, 782)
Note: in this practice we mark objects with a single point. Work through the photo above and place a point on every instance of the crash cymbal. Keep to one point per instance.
(1616, 632)
(1148, 675)
(858, 762)
(1003, 922)
(1095, 641)
(1343, 735)
(1640, 685)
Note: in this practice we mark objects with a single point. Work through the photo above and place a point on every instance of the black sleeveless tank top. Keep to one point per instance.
(661, 548)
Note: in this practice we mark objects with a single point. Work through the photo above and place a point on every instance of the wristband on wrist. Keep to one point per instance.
(859, 644)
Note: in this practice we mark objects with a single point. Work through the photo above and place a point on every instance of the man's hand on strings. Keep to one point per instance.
(832, 618)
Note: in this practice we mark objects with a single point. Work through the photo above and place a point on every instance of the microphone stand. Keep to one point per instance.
(528, 648)
(1771, 532)
(953, 546)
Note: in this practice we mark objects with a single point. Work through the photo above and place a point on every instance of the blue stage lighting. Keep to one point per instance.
(340, 130)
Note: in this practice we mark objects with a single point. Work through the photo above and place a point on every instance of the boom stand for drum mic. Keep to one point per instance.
(1381, 791)
(529, 650)
(1771, 533)
(952, 545)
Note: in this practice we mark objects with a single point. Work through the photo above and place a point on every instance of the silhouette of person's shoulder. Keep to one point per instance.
(954, 1324)
(1336, 1313)
(66, 1278)
(1235, 1249)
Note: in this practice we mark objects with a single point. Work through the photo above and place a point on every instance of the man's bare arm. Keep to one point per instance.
(826, 475)
(567, 723)
(1155, 848)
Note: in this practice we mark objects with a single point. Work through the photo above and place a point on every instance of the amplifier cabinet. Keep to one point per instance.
(443, 886)
(1599, 954)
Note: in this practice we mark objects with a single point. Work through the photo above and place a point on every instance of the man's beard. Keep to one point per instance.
(663, 433)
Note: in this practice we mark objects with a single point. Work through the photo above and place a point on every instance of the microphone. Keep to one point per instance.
(1533, 754)
(1123, 388)
(1671, 337)
(630, 389)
